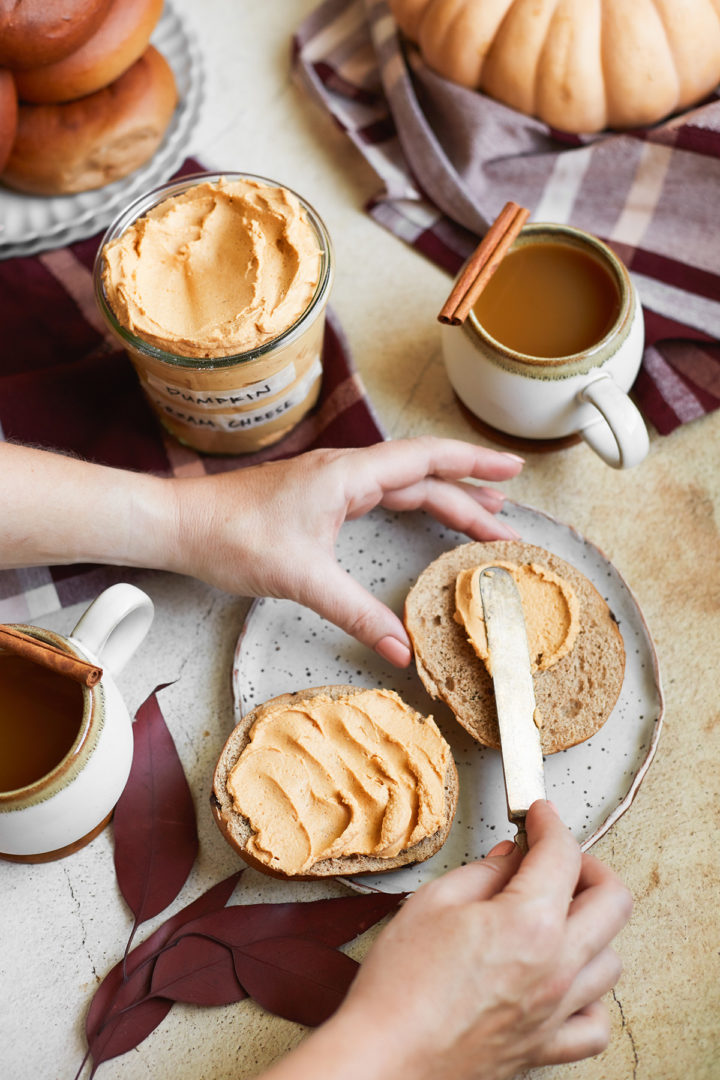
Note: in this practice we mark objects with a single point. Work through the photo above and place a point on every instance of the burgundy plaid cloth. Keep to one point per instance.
(65, 385)
(449, 158)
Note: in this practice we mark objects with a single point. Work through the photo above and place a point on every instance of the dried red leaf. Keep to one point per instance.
(125, 1030)
(197, 971)
(282, 954)
(105, 1000)
(156, 838)
(332, 922)
(297, 978)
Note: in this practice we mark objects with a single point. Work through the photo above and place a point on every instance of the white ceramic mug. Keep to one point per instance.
(66, 808)
(552, 398)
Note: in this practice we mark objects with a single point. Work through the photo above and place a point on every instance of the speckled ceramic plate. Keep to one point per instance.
(285, 647)
(32, 223)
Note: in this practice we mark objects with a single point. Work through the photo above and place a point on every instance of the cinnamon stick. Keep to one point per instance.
(48, 656)
(483, 263)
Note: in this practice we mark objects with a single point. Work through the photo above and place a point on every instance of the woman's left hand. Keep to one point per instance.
(270, 530)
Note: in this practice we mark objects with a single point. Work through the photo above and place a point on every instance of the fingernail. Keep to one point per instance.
(505, 847)
(513, 457)
(397, 652)
(506, 531)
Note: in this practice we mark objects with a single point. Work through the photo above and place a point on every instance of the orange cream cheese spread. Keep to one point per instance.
(323, 778)
(550, 607)
(220, 269)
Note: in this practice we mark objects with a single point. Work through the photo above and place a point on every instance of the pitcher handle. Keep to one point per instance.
(114, 625)
(619, 435)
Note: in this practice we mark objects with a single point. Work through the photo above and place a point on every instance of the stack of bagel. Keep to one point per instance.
(84, 98)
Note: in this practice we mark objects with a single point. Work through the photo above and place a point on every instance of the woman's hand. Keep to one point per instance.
(495, 967)
(266, 530)
(271, 530)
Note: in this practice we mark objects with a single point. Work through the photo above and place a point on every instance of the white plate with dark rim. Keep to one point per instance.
(32, 223)
(285, 647)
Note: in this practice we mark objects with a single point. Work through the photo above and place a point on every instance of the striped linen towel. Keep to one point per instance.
(449, 158)
(65, 385)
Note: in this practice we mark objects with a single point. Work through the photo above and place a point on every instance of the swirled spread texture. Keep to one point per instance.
(329, 777)
(549, 603)
(220, 269)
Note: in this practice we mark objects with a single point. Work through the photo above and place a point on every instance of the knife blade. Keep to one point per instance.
(509, 663)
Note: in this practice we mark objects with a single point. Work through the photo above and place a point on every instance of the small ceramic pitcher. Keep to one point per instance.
(63, 810)
(547, 399)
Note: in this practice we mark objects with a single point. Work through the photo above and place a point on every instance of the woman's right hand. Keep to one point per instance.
(495, 967)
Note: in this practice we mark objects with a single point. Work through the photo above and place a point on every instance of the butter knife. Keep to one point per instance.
(514, 695)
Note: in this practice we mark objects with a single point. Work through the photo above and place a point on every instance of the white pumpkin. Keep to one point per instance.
(578, 65)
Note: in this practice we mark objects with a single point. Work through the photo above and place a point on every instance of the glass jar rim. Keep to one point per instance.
(577, 237)
(153, 197)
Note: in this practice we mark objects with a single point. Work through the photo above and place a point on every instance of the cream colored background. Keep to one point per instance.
(64, 924)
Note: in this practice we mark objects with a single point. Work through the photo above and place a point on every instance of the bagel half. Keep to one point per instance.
(8, 115)
(119, 40)
(34, 32)
(574, 697)
(86, 144)
(237, 829)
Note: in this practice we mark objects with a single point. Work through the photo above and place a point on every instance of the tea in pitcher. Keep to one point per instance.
(41, 713)
(549, 299)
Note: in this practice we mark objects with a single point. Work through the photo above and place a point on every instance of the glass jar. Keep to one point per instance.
(237, 403)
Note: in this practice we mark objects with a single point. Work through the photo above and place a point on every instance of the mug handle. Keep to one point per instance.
(114, 625)
(619, 436)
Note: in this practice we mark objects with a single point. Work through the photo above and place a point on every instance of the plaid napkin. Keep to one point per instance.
(449, 158)
(65, 385)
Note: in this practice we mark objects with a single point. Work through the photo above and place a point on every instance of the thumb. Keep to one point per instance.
(338, 597)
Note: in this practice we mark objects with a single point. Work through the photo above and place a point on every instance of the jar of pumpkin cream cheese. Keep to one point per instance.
(216, 285)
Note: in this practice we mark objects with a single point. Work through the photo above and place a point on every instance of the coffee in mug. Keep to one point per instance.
(65, 746)
(41, 718)
(553, 344)
(549, 299)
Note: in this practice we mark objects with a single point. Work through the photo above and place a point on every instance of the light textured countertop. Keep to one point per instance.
(64, 924)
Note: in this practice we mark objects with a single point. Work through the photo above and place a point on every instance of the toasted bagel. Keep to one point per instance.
(238, 830)
(574, 697)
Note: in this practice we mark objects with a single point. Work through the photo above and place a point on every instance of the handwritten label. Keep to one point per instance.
(211, 399)
(242, 421)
